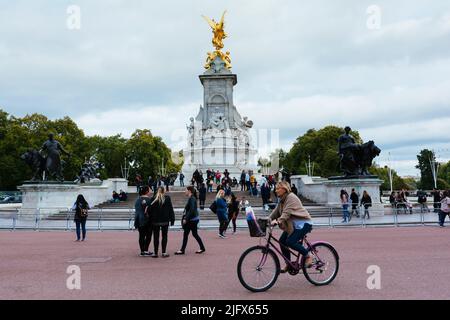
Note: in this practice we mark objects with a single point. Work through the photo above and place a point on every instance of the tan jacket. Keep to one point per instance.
(288, 208)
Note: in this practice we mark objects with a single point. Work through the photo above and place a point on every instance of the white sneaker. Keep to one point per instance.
(222, 236)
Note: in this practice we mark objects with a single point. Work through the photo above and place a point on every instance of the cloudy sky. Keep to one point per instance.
(300, 65)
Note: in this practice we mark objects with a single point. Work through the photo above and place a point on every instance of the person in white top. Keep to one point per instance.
(445, 208)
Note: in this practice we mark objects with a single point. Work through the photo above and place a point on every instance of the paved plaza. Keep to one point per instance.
(413, 262)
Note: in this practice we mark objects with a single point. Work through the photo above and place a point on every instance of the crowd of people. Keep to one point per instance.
(355, 203)
(154, 212)
(122, 196)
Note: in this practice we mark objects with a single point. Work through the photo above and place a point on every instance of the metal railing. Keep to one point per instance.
(331, 216)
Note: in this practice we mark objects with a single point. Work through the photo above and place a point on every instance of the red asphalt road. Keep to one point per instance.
(414, 262)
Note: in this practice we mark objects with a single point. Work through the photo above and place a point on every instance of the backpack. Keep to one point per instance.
(83, 212)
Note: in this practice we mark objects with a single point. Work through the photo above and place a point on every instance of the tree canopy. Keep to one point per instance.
(321, 146)
(17, 135)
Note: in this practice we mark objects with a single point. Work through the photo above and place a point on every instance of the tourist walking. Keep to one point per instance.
(210, 185)
(233, 211)
(190, 221)
(436, 199)
(138, 182)
(344, 202)
(242, 180)
(366, 202)
(265, 195)
(247, 181)
(81, 208)
(142, 221)
(355, 201)
(202, 196)
(161, 213)
(219, 207)
(181, 179)
(422, 200)
(445, 208)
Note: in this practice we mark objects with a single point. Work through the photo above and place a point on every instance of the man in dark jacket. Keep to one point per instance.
(436, 200)
(142, 220)
(355, 201)
(265, 194)
(202, 196)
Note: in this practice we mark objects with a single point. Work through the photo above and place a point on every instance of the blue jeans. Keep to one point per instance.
(345, 212)
(292, 241)
(82, 224)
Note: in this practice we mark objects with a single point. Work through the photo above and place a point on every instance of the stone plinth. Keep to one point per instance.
(327, 192)
(50, 198)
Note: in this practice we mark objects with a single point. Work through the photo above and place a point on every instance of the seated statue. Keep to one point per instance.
(355, 159)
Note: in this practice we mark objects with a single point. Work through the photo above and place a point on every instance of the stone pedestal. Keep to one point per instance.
(327, 192)
(50, 198)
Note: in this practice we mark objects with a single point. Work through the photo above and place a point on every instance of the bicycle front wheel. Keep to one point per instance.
(258, 269)
(325, 264)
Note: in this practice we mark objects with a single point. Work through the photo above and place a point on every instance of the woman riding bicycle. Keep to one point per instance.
(294, 220)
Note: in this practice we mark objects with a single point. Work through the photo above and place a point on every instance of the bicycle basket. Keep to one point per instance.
(257, 227)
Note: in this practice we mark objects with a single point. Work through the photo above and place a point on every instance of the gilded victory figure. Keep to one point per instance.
(217, 41)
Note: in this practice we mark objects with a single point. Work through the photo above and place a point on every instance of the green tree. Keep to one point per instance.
(322, 146)
(444, 175)
(398, 182)
(149, 153)
(425, 159)
(111, 152)
(20, 134)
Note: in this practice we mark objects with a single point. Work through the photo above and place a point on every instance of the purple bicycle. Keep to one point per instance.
(259, 266)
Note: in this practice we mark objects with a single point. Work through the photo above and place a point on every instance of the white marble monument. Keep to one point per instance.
(218, 137)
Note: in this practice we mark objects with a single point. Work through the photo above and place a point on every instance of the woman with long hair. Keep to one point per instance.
(190, 221)
(221, 211)
(233, 211)
(344, 202)
(81, 208)
(366, 201)
(161, 211)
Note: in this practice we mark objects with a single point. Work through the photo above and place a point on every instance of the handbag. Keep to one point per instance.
(213, 207)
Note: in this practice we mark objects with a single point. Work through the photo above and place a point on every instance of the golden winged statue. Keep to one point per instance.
(218, 31)
(217, 41)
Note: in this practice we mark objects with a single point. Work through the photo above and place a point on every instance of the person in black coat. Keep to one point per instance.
(366, 201)
(81, 208)
(233, 211)
(161, 213)
(265, 193)
(202, 195)
(142, 220)
(190, 221)
(355, 200)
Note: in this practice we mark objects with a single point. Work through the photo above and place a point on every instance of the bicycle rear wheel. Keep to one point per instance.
(258, 269)
(325, 264)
